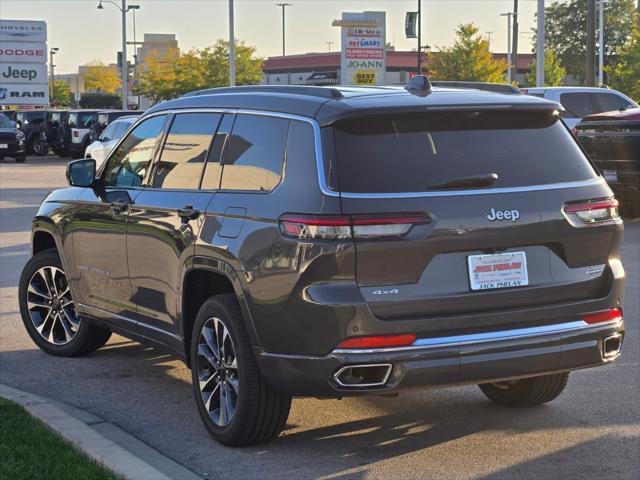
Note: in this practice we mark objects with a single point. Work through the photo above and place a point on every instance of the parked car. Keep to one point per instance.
(31, 122)
(10, 114)
(612, 141)
(12, 142)
(99, 149)
(580, 102)
(105, 118)
(329, 242)
(75, 135)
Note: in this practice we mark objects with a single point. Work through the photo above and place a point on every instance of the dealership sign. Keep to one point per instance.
(23, 73)
(23, 31)
(23, 63)
(363, 57)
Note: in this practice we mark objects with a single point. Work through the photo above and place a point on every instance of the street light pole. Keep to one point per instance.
(419, 37)
(52, 52)
(601, 45)
(232, 48)
(125, 67)
(508, 15)
(283, 6)
(329, 44)
(540, 45)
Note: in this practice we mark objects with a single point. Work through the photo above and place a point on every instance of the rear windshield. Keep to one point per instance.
(103, 119)
(414, 151)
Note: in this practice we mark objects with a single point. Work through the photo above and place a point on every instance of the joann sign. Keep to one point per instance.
(364, 56)
(23, 63)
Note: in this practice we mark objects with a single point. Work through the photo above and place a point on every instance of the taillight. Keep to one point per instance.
(379, 341)
(595, 212)
(338, 227)
(609, 315)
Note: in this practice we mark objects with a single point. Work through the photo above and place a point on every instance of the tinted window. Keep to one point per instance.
(128, 164)
(5, 122)
(607, 102)
(109, 132)
(121, 129)
(71, 119)
(411, 152)
(577, 104)
(213, 169)
(255, 153)
(85, 120)
(103, 119)
(185, 150)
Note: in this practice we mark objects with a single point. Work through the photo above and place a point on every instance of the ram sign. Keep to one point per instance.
(23, 63)
(364, 57)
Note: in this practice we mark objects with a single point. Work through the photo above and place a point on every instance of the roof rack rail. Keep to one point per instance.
(486, 86)
(323, 92)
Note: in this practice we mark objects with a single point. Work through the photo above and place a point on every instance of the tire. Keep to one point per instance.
(37, 147)
(55, 329)
(260, 412)
(526, 391)
(20, 159)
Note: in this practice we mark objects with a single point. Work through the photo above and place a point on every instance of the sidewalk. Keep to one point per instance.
(103, 442)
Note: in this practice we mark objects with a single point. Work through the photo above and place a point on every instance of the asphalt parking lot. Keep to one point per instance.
(591, 431)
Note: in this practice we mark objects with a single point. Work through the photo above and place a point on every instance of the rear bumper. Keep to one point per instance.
(461, 359)
(13, 149)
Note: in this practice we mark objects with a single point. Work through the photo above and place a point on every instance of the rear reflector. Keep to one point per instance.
(603, 316)
(593, 212)
(336, 227)
(379, 341)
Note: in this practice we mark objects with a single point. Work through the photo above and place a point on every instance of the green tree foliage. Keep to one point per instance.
(566, 30)
(554, 72)
(61, 95)
(468, 59)
(99, 77)
(166, 76)
(625, 74)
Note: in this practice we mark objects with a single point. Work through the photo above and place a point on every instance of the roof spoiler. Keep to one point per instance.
(419, 85)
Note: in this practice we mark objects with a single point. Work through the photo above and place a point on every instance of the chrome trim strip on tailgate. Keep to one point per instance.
(473, 338)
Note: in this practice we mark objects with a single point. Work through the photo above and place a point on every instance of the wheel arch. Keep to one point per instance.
(204, 277)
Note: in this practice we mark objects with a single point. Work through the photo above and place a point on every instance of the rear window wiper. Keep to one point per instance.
(472, 181)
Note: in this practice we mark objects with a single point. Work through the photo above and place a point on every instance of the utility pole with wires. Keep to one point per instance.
(283, 6)
(419, 37)
(509, 61)
(329, 45)
(601, 45)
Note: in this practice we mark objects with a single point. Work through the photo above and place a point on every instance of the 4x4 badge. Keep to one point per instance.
(512, 215)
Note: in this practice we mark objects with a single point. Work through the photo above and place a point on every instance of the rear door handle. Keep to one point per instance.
(118, 207)
(188, 213)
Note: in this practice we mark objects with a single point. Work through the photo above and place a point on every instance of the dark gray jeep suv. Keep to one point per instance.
(342, 241)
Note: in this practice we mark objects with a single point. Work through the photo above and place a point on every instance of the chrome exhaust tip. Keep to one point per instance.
(363, 376)
(611, 345)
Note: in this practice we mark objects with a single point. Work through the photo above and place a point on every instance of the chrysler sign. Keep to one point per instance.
(23, 31)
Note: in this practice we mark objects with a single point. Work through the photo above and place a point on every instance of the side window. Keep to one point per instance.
(185, 151)
(109, 132)
(577, 104)
(608, 102)
(255, 154)
(128, 165)
(213, 168)
(121, 129)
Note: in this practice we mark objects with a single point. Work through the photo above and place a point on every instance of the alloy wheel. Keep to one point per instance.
(51, 306)
(217, 369)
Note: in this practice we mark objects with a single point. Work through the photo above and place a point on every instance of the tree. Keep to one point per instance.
(554, 72)
(100, 100)
(625, 74)
(566, 30)
(216, 64)
(169, 75)
(99, 77)
(468, 59)
(61, 94)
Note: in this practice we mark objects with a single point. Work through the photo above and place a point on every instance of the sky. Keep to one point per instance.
(83, 33)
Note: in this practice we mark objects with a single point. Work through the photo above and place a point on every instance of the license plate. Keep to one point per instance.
(500, 270)
(4, 145)
(610, 176)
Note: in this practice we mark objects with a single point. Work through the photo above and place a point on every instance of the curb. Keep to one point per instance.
(103, 442)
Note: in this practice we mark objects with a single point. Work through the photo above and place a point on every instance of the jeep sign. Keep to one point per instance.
(23, 73)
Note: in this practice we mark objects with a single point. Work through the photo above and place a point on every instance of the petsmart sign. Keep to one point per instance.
(364, 57)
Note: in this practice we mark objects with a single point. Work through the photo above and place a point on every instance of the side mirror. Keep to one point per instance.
(81, 173)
